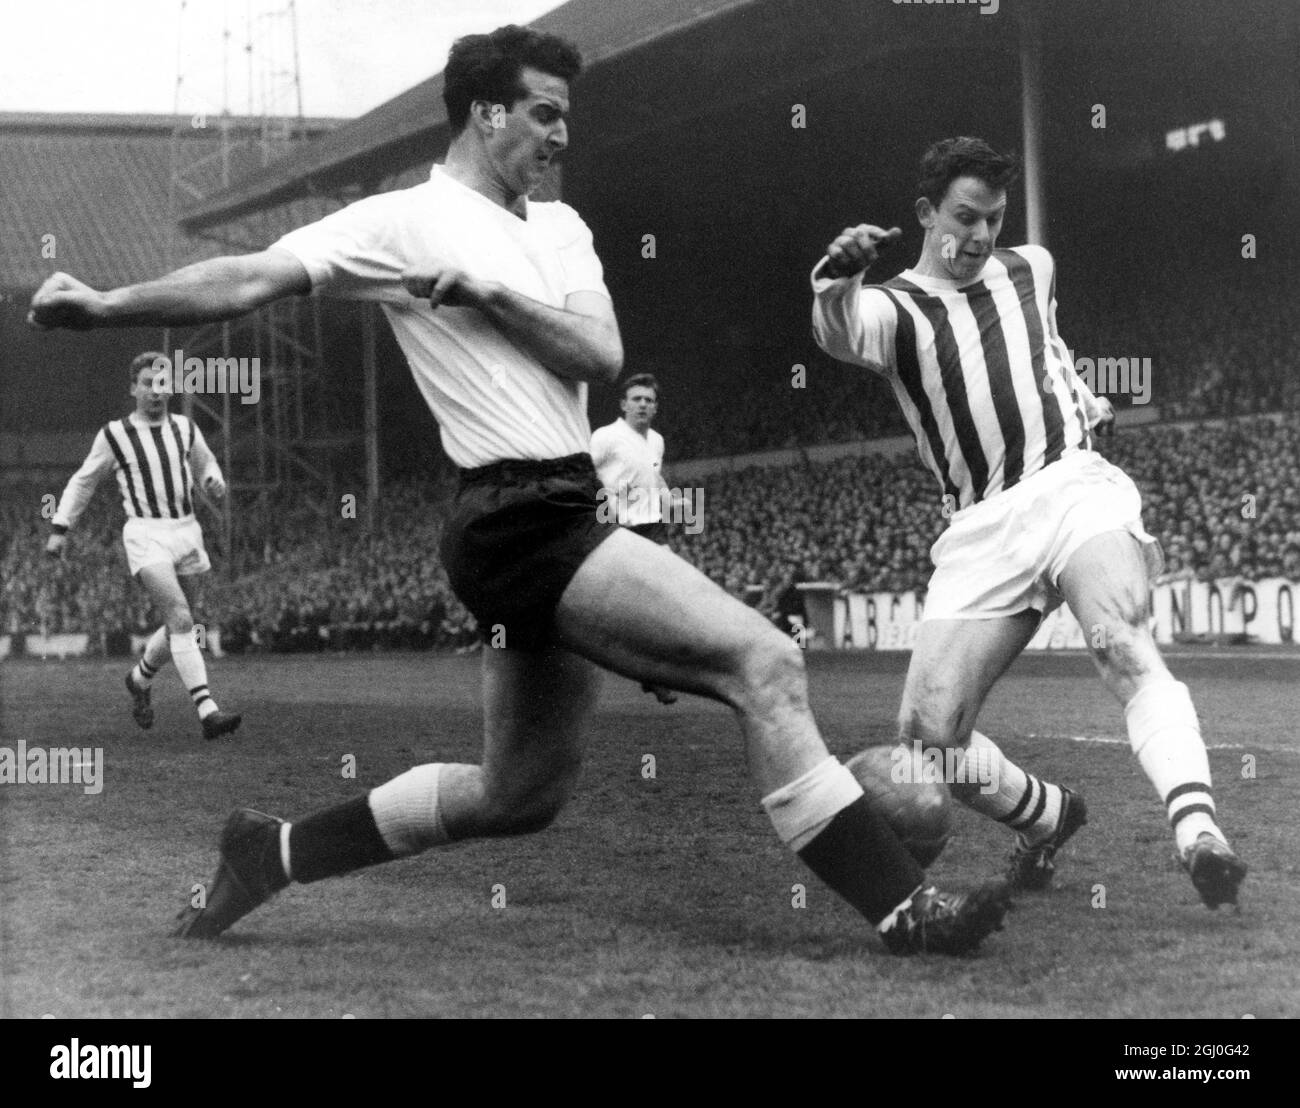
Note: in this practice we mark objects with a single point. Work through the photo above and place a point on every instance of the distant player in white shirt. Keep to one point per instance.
(967, 338)
(500, 306)
(629, 459)
(157, 457)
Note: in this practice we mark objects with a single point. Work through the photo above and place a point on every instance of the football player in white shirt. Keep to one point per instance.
(157, 457)
(628, 455)
(499, 304)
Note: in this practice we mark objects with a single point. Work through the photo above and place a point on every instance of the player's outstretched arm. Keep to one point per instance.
(78, 491)
(841, 326)
(857, 249)
(580, 341)
(206, 292)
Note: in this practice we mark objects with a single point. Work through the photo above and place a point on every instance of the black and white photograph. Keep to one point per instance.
(623, 509)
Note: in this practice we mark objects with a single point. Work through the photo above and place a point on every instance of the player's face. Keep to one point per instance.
(639, 407)
(150, 401)
(961, 232)
(531, 133)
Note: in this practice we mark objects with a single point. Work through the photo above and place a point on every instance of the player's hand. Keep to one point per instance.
(54, 545)
(445, 284)
(857, 249)
(1106, 415)
(63, 301)
(215, 487)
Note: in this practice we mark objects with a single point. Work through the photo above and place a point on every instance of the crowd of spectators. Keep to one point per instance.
(1224, 499)
(1219, 345)
(308, 576)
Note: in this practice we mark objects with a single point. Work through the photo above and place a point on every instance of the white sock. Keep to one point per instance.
(1014, 797)
(801, 810)
(284, 849)
(1166, 737)
(406, 811)
(155, 656)
(891, 919)
(193, 673)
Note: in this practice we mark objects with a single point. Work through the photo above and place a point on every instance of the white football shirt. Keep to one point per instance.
(628, 465)
(491, 399)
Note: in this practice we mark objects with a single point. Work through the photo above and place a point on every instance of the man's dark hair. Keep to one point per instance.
(641, 381)
(143, 361)
(949, 159)
(486, 67)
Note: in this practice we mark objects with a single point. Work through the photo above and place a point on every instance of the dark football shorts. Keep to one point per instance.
(517, 534)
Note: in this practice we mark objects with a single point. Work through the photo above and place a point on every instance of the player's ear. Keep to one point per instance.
(925, 212)
(487, 116)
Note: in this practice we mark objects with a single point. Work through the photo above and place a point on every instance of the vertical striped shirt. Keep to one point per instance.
(156, 465)
(979, 369)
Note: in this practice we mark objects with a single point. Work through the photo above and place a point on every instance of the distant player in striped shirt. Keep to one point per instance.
(968, 340)
(157, 457)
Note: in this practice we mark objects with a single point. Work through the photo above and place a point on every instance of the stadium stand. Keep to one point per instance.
(1224, 498)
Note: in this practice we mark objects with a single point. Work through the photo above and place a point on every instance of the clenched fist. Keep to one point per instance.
(445, 284)
(63, 301)
(857, 248)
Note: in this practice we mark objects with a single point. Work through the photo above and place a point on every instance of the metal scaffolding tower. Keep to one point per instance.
(279, 442)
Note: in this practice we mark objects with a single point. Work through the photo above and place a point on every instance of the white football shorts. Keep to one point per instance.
(178, 542)
(1005, 554)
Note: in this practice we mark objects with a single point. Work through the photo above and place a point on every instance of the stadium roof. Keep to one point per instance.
(404, 131)
(100, 185)
(706, 62)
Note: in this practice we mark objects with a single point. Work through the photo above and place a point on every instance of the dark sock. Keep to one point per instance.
(859, 856)
(335, 841)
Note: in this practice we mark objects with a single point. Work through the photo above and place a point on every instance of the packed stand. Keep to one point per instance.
(1224, 501)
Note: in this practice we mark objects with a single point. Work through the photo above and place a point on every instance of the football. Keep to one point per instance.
(919, 812)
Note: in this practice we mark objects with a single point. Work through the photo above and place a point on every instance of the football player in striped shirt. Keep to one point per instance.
(157, 457)
(967, 338)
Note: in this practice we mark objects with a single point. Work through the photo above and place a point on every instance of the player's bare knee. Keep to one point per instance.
(1123, 648)
(935, 723)
(179, 619)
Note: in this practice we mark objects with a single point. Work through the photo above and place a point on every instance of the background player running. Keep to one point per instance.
(500, 307)
(157, 457)
(629, 456)
(968, 340)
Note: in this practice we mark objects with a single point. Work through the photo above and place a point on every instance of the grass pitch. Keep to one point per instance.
(664, 896)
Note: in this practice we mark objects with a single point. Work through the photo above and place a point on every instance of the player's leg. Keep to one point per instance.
(955, 663)
(139, 679)
(169, 598)
(156, 654)
(142, 549)
(656, 533)
(1105, 584)
(636, 608)
(536, 705)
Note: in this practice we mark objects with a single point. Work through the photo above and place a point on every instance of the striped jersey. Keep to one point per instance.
(156, 464)
(979, 369)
